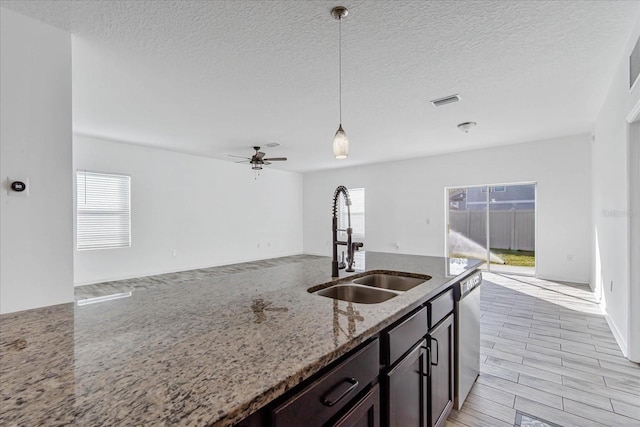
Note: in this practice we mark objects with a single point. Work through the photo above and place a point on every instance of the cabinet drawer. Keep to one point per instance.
(404, 336)
(327, 395)
(440, 307)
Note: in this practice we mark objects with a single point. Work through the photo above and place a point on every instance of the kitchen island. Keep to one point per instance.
(210, 350)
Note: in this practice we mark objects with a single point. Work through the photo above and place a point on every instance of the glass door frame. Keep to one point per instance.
(488, 219)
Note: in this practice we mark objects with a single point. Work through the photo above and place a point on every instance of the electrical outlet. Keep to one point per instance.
(175, 252)
(258, 245)
(428, 221)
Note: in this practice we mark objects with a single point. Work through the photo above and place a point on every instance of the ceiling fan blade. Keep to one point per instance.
(259, 155)
(276, 159)
(243, 161)
(266, 163)
(240, 157)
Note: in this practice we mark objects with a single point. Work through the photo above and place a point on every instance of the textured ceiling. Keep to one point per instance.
(214, 78)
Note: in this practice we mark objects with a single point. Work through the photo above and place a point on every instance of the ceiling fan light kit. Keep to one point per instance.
(340, 140)
(258, 160)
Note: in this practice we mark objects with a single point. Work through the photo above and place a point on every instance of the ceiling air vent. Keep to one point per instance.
(446, 100)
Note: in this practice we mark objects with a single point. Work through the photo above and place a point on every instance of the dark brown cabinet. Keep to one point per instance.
(439, 307)
(401, 338)
(407, 392)
(441, 341)
(419, 387)
(404, 377)
(365, 413)
(332, 392)
(255, 420)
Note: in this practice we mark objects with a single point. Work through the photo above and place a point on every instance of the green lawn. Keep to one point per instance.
(519, 258)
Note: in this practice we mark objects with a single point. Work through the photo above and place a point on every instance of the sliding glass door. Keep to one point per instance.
(494, 223)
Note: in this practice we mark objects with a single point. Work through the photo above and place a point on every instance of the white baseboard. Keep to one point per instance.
(622, 342)
(552, 278)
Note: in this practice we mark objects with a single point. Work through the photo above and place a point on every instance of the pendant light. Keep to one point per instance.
(340, 140)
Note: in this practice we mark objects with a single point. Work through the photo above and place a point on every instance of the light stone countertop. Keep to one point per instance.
(208, 350)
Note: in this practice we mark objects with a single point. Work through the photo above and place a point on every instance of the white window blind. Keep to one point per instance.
(103, 210)
(357, 214)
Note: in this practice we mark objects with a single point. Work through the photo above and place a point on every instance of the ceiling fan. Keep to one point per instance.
(258, 159)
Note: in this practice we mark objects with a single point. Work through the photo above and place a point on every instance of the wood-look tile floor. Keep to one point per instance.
(547, 351)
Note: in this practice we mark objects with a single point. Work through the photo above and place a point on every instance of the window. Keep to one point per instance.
(357, 214)
(103, 210)
(497, 189)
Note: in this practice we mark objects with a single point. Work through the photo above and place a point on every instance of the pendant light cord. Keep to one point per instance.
(340, 62)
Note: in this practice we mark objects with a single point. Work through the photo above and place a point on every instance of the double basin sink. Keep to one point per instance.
(372, 289)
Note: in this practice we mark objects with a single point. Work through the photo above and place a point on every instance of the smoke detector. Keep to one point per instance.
(466, 126)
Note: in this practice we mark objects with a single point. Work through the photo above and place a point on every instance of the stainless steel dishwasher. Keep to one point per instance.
(466, 295)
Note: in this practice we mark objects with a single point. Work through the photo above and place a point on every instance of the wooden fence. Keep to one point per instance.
(512, 229)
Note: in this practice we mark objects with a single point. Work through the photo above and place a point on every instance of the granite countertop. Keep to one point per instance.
(207, 351)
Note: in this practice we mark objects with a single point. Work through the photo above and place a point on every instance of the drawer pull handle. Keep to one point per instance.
(437, 351)
(340, 391)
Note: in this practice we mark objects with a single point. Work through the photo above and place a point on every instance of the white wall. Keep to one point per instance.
(634, 252)
(401, 196)
(611, 206)
(211, 212)
(36, 232)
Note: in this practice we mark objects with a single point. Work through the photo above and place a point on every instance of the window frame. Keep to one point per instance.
(116, 209)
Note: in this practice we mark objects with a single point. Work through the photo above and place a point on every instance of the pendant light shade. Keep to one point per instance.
(340, 144)
(340, 140)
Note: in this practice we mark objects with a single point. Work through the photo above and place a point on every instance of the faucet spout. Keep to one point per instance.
(351, 246)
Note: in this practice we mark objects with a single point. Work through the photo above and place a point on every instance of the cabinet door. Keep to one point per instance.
(441, 342)
(407, 389)
(365, 413)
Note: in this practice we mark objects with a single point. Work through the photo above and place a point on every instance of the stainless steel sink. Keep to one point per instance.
(388, 281)
(358, 294)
